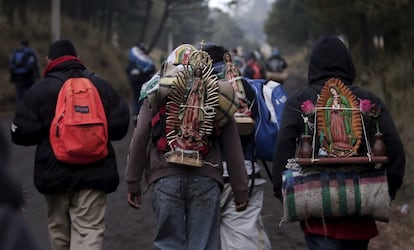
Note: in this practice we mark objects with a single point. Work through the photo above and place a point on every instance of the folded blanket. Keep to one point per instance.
(328, 193)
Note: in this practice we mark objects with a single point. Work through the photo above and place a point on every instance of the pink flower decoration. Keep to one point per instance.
(370, 111)
(365, 106)
(307, 107)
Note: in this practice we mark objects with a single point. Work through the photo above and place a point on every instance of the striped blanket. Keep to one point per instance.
(325, 194)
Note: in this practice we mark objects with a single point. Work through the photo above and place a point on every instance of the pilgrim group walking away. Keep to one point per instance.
(23, 68)
(336, 157)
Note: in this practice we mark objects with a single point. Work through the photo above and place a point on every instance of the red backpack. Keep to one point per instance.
(79, 130)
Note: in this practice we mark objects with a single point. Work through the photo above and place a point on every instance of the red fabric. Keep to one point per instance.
(155, 119)
(257, 74)
(346, 230)
(162, 144)
(57, 61)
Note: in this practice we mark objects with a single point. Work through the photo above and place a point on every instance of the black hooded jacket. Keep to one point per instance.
(331, 59)
(31, 126)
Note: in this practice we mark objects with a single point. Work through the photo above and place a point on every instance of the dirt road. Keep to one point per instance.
(127, 228)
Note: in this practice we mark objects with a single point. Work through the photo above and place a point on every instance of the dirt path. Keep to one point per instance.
(125, 227)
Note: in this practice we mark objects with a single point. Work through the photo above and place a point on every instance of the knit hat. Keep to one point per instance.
(61, 48)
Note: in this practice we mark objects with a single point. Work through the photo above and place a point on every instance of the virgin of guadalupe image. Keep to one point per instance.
(338, 124)
(191, 114)
(232, 75)
(191, 110)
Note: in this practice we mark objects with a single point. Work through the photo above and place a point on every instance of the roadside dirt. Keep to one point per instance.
(130, 229)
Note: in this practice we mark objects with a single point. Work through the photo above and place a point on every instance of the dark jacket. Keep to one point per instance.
(31, 126)
(330, 58)
(28, 67)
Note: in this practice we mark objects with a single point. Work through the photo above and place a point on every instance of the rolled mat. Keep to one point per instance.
(327, 194)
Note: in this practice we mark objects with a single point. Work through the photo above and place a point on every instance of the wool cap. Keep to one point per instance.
(61, 48)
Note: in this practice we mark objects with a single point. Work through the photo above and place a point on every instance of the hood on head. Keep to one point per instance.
(330, 58)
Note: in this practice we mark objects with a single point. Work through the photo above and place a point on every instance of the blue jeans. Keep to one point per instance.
(187, 208)
(321, 242)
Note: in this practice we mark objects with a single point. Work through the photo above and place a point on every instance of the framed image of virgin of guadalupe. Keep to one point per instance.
(335, 179)
(338, 128)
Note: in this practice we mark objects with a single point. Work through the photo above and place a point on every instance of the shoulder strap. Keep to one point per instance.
(88, 74)
(64, 75)
(61, 76)
(22, 59)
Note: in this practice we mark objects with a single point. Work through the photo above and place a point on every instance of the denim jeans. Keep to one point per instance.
(187, 208)
(321, 242)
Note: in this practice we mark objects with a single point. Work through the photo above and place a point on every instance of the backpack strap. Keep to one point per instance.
(22, 59)
(61, 76)
(88, 74)
(21, 65)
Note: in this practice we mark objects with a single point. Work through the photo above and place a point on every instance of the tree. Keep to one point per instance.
(147, 21)
(55, 20)
(10, 8)
(225, 31)
(288, 24)
(359, 21)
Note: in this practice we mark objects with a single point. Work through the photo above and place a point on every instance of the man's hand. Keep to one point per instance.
(241, 206)
(134, 200)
